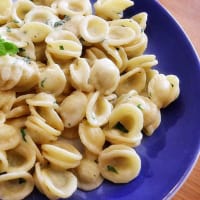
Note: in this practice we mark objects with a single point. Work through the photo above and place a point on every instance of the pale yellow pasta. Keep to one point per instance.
(72, 7)
(10, 137)
(54, 183)
(88, 175)
(16, 185)
(3, 162)
(133, 79)
(141, 19)
(61, 154)
(7, 99)
(105, 76)
(5, 10)
(93, 29)
(93, 138)
(98, 109)
(111, 9)
(73, 108)
(20, 9)
(63, 44)
(163, 89)
(80, 74)
(2, 117)
(125, 125)
(119, 163)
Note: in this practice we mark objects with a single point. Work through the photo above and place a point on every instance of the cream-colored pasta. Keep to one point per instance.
(16, 185)
(61, 154)
(111, 9)
(141, 19)
(63, 44)
(163, 89)
(5, 10)
(98, 109)
(20, 9)
(73, 108)
(72, 7)
(105, 76)
(125, 125)
(54, 183)
(2, 117)
(93, 29)
(7, 99)
(3, 162)
(88, 175)
(92, 138)
(21, 158)
(10, 137)
(80, 74)
(119, 163)
(133, 79)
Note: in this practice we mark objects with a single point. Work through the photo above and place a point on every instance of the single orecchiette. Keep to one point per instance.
(93, 29)
(18, 73)
(125, 125)
(61, 154)
(133, 79)
(105, 76)
(80, 74)
(63, 44)
(10, 137)
(93, 138)
(72, 109)
(119, 163)
(88, 175)
(5, 10)
(16, 185)
(72, 7)
(21, 158)
(98, 109)
(163, 90)
(111, 9)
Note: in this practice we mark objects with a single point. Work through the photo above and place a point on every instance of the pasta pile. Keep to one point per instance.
(77, 93)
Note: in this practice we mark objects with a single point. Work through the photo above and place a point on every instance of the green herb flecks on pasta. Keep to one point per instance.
(112, 169)
(121, 127)
(7, 48)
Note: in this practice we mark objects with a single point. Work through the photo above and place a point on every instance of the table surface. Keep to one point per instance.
(186, 12)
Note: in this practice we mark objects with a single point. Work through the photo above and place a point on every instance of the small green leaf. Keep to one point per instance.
(140, 106)
(42, 82)
(8, 29)
(121, 127)
(23, 133)
(61, 47)
(7, 48)
(112, 169)
(172, 84)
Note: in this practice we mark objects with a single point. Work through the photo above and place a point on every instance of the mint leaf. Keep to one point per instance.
(7, 48)
(112, 169)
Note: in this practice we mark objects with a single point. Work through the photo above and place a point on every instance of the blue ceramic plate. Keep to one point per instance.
(167, 156)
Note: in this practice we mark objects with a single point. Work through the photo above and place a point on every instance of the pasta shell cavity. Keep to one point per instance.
(55, 183)
(10, 138)
(111, 9)
(93, 138)
(134, 79)
(72, 109)
(5, 10)
(119, 163)
(21, 158)
(93, 29)
(163, 89)
(16, 185)
(105, 76)
(98, 110)
(125, 125)
(88, 174)
(61, 154)
(72, 7)
(63, 44)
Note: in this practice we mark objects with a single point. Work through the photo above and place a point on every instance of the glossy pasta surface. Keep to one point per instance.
(77, 94)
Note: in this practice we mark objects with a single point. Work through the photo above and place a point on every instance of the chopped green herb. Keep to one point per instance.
(23, 133)
(8, 29)
(172, 84)
(61, 47)
(42, 82)
(61, 22)
(21, 180)
(121, 127)
(112, 169)
(15, 21)
(142, 30)
(140, 106)
(7, 48)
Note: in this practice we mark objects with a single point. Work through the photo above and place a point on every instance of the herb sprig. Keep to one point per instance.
(7, 48)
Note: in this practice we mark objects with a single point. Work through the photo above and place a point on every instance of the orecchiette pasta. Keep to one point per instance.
(77, 92)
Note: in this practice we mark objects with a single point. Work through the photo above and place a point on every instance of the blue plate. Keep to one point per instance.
(168, 155)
